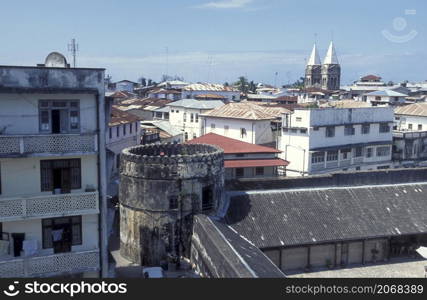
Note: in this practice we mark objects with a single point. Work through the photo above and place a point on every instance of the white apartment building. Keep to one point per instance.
(326, 140)
(410, 135)
(185, 115)
(385, 98)
(124, 131)
(52, 166)
(244, 121)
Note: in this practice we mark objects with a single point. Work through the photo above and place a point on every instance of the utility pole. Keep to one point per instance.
(73, 47)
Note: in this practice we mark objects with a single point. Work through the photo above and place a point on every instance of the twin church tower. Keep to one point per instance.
(327, 75)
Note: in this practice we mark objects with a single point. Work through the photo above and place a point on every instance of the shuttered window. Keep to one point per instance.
(67, 173)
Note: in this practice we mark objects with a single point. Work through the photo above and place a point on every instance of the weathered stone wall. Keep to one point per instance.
(152, 175)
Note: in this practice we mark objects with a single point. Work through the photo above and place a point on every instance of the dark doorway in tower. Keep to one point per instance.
(207, 198)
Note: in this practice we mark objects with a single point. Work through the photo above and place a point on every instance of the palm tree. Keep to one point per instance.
(242, 84)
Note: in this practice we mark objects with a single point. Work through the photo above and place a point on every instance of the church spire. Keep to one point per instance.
(314, 57)
(331, 56)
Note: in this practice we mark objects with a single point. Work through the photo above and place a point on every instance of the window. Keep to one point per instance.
(186, 136)
(298, 119)
(317, 157)
(243, 132)
(383, 151)
(130, 128)
(61, 174)
(330, 131)
(410, 126)
(192, 118)
(259, 171)
(332, 156)
(194, 136)
(117, 131)
(348, 130)
(346, 153)
(366, 128)
(240, 172)
(61, 233)
(118, 161)
(315, 128)
(207, 198)
(172, 110)
(197, 118)
(59, 116)
(110, 133)
(173, 202)
(212, 126)
(384, 128)
(383, 167)
(185, 117)
(378, 98)
(303, 131)
(358, 152)
(226, 127)
(124, 129)
(368, 152)
(420, 127)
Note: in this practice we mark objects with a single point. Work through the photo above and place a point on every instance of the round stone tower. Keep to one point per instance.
(162, 186)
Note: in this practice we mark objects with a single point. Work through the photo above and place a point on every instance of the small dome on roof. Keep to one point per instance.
(56, 60)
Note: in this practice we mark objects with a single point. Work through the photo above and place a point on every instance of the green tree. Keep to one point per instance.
(242, 84)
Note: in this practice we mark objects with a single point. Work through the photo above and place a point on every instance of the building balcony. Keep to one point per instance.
(47, 206)
(50, 265)
(42, 144)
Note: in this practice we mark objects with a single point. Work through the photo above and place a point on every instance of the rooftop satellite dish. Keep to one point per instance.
(56, 60)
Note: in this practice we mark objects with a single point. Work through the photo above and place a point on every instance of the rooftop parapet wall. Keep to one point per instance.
(360, 178)
(171, 161)
(15, 77)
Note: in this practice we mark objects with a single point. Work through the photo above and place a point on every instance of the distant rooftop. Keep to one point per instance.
(209, 87)
(416, 109)
(231, 146)
(386, 92)
(248, 111)
(197, 104)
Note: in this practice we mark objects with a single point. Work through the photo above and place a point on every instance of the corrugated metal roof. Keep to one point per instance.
(121, 117)
(197, 104)
(416, 109)
(297, 217)
(209, 87)
(390, 93)
(247, 110)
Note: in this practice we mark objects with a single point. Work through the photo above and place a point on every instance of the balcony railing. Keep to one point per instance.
(50, 265)
(46, 206)
(12, 145)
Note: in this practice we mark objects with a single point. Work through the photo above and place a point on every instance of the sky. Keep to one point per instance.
(218, 41)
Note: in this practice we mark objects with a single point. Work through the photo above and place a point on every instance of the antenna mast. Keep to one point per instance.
(73, 47)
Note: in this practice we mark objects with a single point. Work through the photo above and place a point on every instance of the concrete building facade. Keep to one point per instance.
(52, 166)
(324, 140)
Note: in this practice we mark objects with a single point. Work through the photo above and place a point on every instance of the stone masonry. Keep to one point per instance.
(162, 187)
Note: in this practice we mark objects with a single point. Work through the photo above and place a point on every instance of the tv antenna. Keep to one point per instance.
(73, 47)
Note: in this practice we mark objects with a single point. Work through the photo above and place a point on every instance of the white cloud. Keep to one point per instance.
(226, 4)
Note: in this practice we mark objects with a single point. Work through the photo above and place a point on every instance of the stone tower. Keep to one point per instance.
(313, 70)
(162, 186)
(331, 70)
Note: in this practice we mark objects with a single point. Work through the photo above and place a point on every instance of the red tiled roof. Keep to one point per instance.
(370, 78)
(230, 145)
(247, 163)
